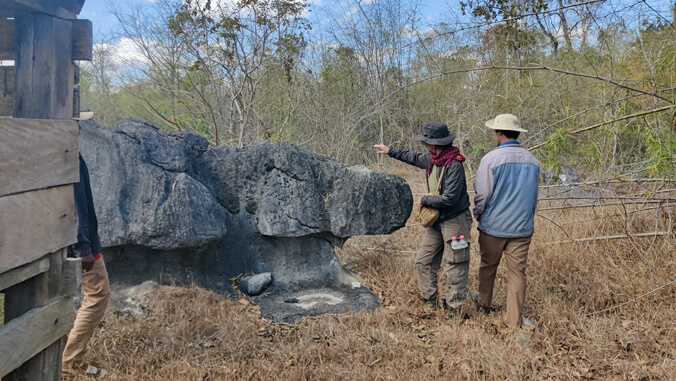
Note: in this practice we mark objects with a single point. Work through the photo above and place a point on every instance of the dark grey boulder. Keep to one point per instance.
(568, 174)
(172, 210)
(548, 175)
(148, 199)
(255, 284)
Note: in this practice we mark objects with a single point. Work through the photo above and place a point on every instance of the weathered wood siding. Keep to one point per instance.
(36, 223)
(36, 330)
(36, 154)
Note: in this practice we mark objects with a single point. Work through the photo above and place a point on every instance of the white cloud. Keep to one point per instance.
(128, 50)
(123, 52)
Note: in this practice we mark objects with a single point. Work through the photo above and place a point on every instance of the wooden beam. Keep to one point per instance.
(72, 277)
(36, 154)
(64, 9)
(44, 70)
(33, 224)
(25, 272)
(37, 292)
(6, 35)
(83, 40)
(6, 91)
(44, 90)
(26, 336)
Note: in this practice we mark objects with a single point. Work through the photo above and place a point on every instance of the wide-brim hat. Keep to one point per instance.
(84, 115)
(505, 122)
(435, 133)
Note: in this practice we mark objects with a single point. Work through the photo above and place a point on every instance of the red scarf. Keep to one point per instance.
(444, 158)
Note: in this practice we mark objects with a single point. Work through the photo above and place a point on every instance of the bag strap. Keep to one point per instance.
(441, 177)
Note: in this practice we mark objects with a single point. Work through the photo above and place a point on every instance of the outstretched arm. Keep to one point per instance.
(420, 160)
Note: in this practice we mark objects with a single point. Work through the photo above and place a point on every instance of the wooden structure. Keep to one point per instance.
(38, 164)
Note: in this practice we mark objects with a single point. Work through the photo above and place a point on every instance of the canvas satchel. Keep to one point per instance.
(428, 216)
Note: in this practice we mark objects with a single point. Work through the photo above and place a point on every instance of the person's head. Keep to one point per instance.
(435, 136)
(501, 136)
(506, 127)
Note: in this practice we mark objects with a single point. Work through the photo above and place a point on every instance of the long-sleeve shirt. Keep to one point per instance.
(506, 186)
(88, 241)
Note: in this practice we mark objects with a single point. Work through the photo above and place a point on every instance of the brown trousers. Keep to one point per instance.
(96, 292)
(436, 253)
(515, 251)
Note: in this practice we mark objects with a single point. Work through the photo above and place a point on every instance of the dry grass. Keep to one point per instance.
(193, 334)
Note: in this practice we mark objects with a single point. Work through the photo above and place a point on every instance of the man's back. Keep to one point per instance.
(506, 186)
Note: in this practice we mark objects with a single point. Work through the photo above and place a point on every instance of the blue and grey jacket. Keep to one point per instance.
(506, 186)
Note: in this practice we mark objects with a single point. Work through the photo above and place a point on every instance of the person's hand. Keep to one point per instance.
(87, 263)
(420, 207)
(381, 149)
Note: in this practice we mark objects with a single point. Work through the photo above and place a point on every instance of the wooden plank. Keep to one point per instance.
(20, 299)
(65, 9)
(25, 272)
(83, 40)
(72, 277)
(44, 70)
(6, 91)
(6, 34)
(35, 223)
(45, 366)
(36, 154)
(34, 331)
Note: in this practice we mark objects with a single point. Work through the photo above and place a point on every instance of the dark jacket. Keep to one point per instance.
(453, 198)
(88, 241)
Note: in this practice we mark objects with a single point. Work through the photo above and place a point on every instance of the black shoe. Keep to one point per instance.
(474, 296)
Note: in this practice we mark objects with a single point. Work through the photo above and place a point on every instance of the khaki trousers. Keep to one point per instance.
(96, 292)
(436, 253)
(515, 251)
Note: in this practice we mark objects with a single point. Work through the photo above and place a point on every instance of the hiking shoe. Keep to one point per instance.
(474, 296)
(430, 303)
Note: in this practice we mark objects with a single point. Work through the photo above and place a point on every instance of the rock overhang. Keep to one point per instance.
(270, 207)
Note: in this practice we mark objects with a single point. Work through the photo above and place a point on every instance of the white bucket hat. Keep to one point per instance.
(84, 115)
(505, 122)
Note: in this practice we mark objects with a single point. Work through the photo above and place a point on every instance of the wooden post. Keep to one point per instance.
(44, 90)
(43, 67)
(23, 297)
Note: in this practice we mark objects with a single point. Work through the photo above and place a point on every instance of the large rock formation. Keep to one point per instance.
(170, 209)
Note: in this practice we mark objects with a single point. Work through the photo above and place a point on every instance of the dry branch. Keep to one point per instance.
(607, 237)
(607, 204)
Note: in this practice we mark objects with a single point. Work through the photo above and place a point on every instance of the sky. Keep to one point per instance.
(105, 24)
(432, 12)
